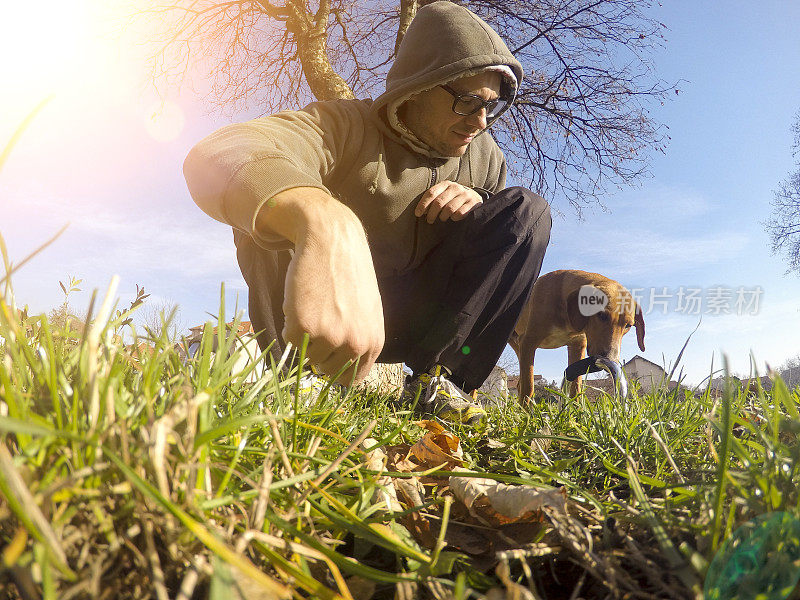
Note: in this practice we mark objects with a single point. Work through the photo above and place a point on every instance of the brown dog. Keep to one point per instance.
(561, 312)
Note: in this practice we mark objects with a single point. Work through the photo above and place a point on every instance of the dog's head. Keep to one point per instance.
(604, 314)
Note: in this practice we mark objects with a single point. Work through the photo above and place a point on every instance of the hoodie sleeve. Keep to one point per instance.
(233, 172)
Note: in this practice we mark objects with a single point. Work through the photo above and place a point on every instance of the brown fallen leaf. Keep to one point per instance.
(438, 447)
(398, 458)
(467, 538)
(432, 426)
(410, 491)
(500, 503)
(375, 460)
(410, 494)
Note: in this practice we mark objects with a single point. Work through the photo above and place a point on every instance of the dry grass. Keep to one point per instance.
(131, 476)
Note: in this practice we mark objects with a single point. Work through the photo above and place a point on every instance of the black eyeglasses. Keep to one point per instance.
(469, 104)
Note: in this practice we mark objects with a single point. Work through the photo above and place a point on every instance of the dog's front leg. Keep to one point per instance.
(576, 351)
(526, 351)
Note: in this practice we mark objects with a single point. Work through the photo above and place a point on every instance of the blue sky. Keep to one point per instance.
(92, 158)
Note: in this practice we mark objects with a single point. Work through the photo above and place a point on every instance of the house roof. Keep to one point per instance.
(645, 360)
(244, 328)
(140, 349)
(749, 383)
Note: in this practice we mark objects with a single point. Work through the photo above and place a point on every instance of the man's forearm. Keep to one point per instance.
(294, 213)
(331, 291)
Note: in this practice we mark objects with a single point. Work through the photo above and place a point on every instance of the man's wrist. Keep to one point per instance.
(293, 213)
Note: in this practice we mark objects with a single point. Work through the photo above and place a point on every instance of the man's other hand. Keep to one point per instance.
(331, 289)
(447, 200)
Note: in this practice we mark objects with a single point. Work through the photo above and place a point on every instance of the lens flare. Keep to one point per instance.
(164, 121)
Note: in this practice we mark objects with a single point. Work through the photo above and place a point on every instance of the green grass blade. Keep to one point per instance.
(722, 466)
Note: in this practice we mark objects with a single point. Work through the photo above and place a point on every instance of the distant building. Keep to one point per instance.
(646, 373)
(140, 350)
(716, 386)
(191, 343)
(513, 383)
(495, 388)
(751, 385)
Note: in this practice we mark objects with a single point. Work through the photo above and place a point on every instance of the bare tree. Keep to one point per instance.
(162, 318)
(783, 225)
(582, 120)
(793, 362)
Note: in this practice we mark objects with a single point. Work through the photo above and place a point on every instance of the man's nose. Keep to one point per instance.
(478, 119)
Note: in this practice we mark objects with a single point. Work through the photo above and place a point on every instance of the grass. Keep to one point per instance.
(127, 474)
(142, 476)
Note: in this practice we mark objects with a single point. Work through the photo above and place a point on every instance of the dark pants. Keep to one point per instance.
(458, 308)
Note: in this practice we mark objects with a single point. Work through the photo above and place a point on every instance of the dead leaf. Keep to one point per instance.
(467, 538)
(438, 447)
(432, 426)
(232, 584)
(375, 461)
(490, 446)
(398, 458)
(500, 503)
(410, 493)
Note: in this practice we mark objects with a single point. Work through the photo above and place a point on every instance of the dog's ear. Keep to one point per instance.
(638, 322)
(575, 319)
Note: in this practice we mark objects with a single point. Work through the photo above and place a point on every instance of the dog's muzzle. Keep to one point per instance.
(592, 364)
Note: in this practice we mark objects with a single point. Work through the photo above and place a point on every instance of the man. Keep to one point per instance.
(406, 246)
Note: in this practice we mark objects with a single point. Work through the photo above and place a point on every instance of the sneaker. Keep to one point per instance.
(441, 397)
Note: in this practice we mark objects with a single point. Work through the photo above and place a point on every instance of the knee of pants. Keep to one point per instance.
(531, 210)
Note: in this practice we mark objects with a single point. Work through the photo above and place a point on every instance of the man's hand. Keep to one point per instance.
(331, 289)
(447, 200)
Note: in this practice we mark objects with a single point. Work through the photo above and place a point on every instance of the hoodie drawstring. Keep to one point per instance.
(469, 166)
(373, 187)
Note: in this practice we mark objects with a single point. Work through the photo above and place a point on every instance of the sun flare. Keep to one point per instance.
(164, 121)
(87, 56)
(42, 43)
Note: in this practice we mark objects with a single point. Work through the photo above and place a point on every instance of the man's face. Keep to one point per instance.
(430, 116)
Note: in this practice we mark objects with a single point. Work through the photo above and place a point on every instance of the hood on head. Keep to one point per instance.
(444, 42)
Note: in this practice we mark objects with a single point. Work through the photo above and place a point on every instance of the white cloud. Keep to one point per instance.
(657, 231)
(658, 204)
(176, 239)
(633, 252)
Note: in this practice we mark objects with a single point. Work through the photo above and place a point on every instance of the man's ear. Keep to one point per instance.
(575, 319)
(638, 322)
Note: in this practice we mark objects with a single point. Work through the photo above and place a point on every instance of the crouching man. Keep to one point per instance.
(383, 228)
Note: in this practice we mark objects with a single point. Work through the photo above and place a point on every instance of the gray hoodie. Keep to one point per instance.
(354, 150)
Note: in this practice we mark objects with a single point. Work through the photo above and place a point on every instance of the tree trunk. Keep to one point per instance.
(312, 44)
(408, 10)
(385, 378)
